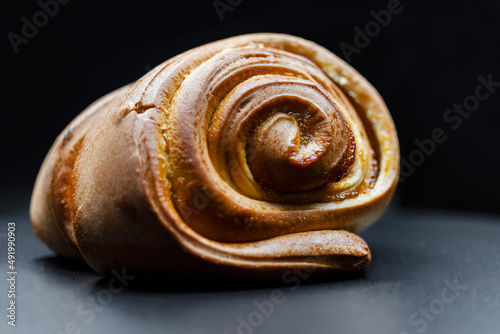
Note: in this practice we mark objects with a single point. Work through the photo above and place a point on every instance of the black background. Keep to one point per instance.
(428, 58)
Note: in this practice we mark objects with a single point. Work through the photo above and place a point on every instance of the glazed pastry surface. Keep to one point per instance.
(245, 157)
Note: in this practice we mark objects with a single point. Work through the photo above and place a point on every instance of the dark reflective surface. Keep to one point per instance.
(433, 272)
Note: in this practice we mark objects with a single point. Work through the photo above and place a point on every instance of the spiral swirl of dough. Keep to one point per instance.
(248, 155)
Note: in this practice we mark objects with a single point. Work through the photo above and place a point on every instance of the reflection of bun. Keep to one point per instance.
(241, 157)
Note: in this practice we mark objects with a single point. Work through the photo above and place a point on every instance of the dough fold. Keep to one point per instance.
(246, 157)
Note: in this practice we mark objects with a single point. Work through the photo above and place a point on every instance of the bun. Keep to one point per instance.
(244, 157)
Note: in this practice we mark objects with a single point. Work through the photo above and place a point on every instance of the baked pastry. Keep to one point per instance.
(245, 157)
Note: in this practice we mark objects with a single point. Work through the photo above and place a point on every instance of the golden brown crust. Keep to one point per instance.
(52, 201)
(246, 156)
